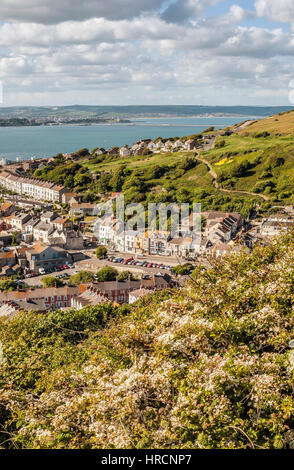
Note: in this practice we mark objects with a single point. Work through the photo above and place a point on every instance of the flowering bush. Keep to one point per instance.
(205, 366)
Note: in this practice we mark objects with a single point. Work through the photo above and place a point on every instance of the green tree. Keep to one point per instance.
(107, 274)
(51, 281)
(117, 180)
(82, 179)
(8, 285)
(101, 251)
(104, 185)
(125, 275)
(14, 239)
(83, 152)
(182, 270)
(83, 277)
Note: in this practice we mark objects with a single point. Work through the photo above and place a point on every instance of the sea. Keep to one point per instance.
(22, 143)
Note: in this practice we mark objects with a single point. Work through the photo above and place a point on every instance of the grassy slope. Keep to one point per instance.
(265, 177)
(280, 143)
(244, 146)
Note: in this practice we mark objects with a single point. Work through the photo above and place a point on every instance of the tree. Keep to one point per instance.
(14, 239)
(83, 152)
(107, 274)
(82, 179)
(51, 281)
(125, 275)
(103, 183)
(83, 277)
(101, 252)
(8, 285)
(117, 180)
(182, 270)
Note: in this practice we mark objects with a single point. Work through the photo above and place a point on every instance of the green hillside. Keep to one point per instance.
(206, 366)
(252, 166)
(259, 158)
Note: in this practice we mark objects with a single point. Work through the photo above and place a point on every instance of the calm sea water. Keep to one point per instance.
(27, 142)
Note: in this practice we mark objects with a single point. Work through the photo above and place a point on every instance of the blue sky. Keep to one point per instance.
(147, 51)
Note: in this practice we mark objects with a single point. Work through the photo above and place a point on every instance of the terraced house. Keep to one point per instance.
(32, 187)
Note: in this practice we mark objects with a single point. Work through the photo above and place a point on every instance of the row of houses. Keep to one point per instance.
(220, 227)
(42, 300)
(140, 147)
(273, 225)
(33, 187)
(120, 291)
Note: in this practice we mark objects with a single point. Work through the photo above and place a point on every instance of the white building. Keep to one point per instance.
(124, 152)
(32, 187)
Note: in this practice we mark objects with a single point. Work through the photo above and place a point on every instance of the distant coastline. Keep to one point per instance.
(44, 141)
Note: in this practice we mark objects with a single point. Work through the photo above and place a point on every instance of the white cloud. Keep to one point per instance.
(143, 57)
(182, 10)
(276, 10)
(54, 11)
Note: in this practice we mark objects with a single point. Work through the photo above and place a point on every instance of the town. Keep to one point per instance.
(46, 230)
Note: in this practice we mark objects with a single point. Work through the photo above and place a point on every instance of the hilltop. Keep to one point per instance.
(204, 366)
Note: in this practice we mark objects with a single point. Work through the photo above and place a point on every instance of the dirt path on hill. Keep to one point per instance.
(242, 126)
(217, 186)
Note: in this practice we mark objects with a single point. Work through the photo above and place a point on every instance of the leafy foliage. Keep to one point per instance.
(107, 274)
(101, 251)
(204, 366)
(82, 277)
(51, 281)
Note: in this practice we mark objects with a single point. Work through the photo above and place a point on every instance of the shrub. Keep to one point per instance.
(101, 251)
(106, 274)
(83, 277)
(51, 281)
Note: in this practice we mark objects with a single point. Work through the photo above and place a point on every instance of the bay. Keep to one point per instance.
(46, 141)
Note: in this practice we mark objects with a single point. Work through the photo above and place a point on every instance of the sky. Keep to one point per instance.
(125, 52)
